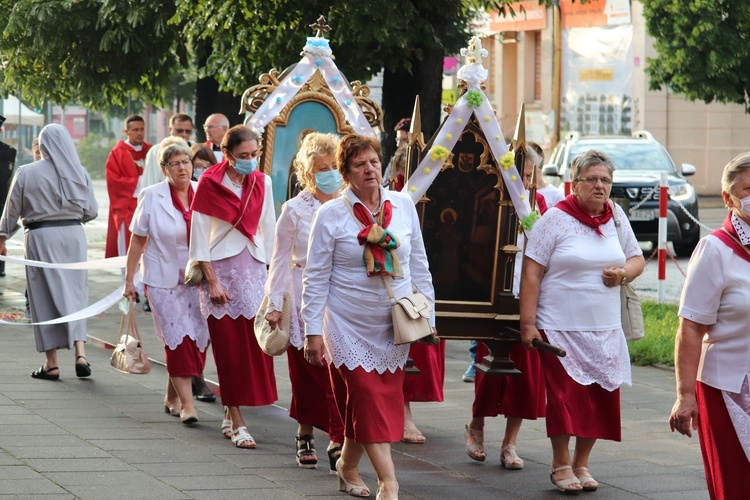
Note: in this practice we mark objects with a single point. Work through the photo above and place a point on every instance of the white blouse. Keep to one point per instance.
(575, 309)
(335, 267)
(285, 273)
(717, 294)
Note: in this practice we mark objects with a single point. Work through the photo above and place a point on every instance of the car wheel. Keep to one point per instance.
(685, 248)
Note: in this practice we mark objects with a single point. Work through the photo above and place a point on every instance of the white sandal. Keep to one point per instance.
(586, 479)
(513, 462)
(240, 436)
(226, 428)
(475, 444)
(563, 484)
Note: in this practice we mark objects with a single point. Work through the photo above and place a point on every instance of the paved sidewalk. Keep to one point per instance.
(108, 436)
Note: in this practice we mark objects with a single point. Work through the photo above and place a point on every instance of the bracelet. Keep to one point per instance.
(624, 276)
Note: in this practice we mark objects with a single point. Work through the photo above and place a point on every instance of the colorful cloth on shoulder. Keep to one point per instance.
(380, 244)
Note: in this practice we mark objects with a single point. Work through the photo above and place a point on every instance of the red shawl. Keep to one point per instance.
(187, 214)
(541, 203)
(572, 207)
(213, 199)
(380, 244)
(728, 240)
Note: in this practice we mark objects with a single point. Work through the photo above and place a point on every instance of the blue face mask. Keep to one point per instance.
(244, 167)
(328, 182)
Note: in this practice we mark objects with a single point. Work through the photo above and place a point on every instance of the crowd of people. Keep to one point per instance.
(328, 259)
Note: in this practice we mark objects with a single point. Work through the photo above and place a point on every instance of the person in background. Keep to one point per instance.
(517, 398)
(161, 227)
(231, 238)
(551, 194)
(180, 125)
(203, 159)
(402, 137)
(712, 346)
(347, 310)
(312, 404)
(215, 126)
(53, 197)
(570, 297)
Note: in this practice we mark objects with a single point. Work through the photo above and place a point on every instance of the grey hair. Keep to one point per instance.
(590, 158)
(732, 170)
(172, 146)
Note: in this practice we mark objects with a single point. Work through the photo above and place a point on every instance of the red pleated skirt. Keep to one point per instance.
(428, 384)
(725, 462)
(587, 411)
(245, 372)
(370, 404)
(522, 396)
(186, 360)
(312, 396)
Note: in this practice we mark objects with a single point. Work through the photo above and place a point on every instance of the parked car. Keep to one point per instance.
(639, 160)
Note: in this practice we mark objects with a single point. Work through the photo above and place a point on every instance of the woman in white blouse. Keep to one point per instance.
(232, 240)
(570, 297)
(312, 396)
(161, 224)
(347, 311)
(712, 347)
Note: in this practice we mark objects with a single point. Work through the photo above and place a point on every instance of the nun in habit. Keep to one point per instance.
(53, 197)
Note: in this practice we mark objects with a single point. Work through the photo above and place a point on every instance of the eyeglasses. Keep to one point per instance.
(184, 130)
(178, 164)
(591, 181)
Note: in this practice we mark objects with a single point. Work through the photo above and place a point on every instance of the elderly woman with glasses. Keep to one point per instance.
(160, 235)
(570, 297)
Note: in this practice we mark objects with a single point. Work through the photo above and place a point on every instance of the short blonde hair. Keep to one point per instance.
(172, 146)
(732, 170)
(314, 145)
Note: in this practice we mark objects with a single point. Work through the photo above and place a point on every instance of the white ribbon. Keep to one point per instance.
(111, 263)
(429, 168)
(92, 310)
(293, 83)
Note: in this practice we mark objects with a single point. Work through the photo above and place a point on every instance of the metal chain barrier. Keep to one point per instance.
(709, 229)
(671, 256)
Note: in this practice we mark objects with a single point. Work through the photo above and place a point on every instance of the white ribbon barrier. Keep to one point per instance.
(90, 311)
(316, 56)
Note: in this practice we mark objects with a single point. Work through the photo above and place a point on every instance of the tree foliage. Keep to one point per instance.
(95, 52)
(703, 48)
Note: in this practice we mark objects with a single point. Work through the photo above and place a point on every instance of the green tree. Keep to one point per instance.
(702, 49)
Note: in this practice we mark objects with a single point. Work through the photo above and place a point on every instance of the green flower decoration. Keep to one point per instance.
(508, 160)
(475, 98)
(439, 153)
(528, 222)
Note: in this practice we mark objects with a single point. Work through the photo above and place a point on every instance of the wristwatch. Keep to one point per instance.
(624, 276)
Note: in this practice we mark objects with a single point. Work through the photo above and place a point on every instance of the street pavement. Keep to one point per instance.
(108, 436)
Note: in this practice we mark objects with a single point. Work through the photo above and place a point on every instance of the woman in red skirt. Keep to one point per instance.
(357, 241)
(570, 296)
(313, 404)
(232, 240)
(712, 346)
(161, 224)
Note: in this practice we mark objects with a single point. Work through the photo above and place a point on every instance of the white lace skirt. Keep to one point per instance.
(738, 407)
(243, 277)
(177, 314)
(359, 333)
(594, 357)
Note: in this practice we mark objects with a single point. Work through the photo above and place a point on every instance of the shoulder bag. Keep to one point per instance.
(630, 303)
(193, 272)
(410, 314)
(129, 356)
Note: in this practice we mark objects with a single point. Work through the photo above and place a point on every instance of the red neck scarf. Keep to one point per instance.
(728, 240)
(541, 203)
(214, 199)
(187, 213)
(380, 244)
(572, 207)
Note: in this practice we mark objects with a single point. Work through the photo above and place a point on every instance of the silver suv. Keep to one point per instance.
(639, 161)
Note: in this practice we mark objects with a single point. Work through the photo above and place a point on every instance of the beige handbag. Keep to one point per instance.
(410, 315)
(129, 356)
(630, 303)
(193, 271)
(273, 342)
